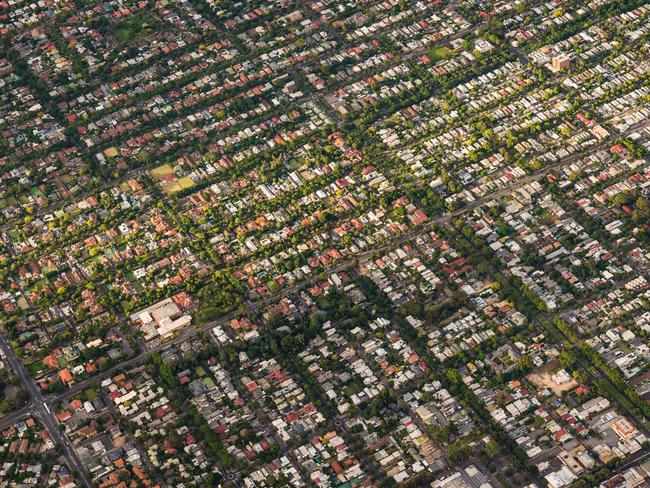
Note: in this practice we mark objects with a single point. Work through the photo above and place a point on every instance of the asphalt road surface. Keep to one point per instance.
(41, 410)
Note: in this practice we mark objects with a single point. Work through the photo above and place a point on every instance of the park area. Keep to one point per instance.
(168, 180)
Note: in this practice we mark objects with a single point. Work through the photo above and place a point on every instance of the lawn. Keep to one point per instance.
(175, 186)
(438, 53)
(209, 383)
(161, 171)
(90, 394)
(167, 179)
(170, 187)
(185, 182)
